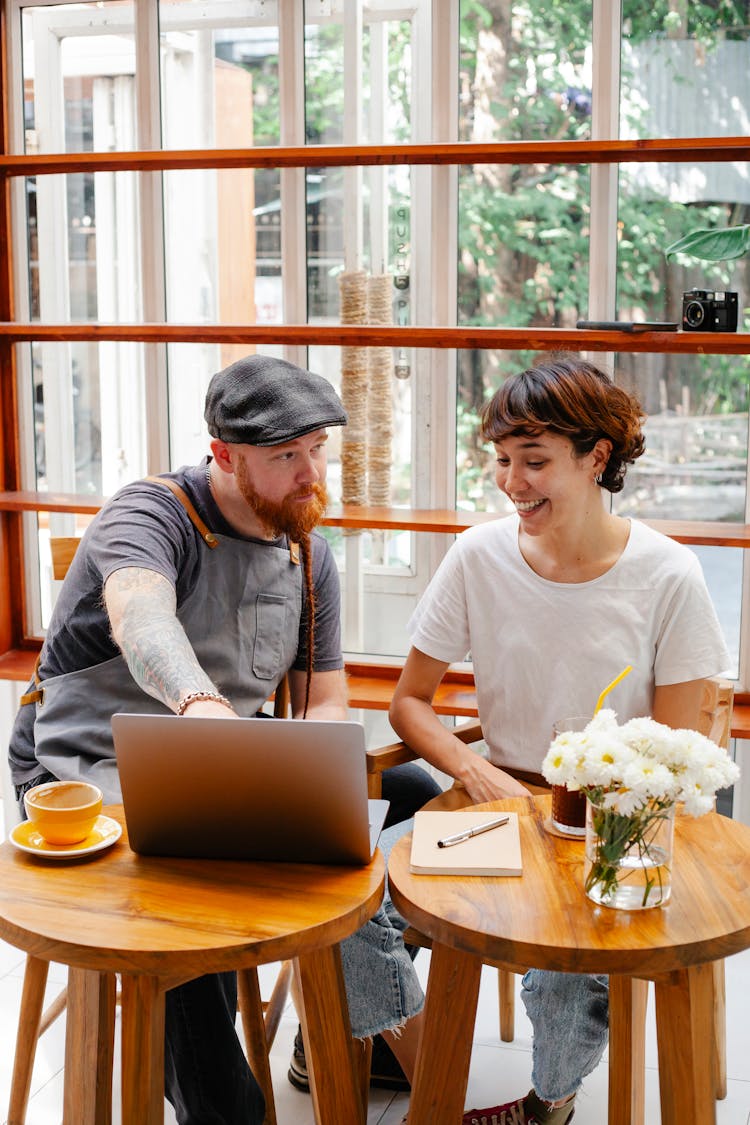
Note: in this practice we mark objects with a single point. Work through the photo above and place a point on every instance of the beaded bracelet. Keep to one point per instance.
(194, 696)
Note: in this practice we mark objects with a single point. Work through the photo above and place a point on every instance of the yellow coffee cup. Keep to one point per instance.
(63, 812)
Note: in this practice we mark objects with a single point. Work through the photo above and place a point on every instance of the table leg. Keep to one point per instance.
(142, 1051)
(328, 1039)
(684, 1011)
(254, 1032)
(29, 1022)
(627, 1050)
(89, 1047)
(720, 1031)
(442, 1072)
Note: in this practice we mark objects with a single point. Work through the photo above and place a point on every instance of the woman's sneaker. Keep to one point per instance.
(530, 1110)
(385, 1070)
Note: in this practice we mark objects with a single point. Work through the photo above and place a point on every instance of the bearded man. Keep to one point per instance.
(196, 592)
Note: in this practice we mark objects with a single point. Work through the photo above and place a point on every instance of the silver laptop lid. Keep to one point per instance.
(274, 789)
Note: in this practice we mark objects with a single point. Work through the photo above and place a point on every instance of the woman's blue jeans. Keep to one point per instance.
(569, 1014)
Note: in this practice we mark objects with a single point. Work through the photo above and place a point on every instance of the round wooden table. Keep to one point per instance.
(160, 922)
(543, 919)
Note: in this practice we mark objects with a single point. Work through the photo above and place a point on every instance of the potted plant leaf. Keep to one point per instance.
(718, 245)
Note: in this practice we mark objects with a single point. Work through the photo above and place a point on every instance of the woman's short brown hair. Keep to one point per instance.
(566, 395)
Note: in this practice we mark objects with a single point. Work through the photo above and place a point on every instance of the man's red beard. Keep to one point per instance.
(289, 516)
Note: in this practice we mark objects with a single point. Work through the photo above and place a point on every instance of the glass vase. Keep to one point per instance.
(628, 860)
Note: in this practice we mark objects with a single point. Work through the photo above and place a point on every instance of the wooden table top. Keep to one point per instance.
(543, 919)
(118, 912)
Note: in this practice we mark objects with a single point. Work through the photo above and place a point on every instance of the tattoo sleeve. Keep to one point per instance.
(141, 605)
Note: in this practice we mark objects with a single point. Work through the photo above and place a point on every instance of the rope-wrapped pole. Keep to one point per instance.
(353, 294)
(379, 395)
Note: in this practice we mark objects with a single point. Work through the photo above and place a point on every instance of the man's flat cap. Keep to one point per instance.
(264, 401)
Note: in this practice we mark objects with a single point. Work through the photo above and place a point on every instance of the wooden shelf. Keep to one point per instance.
(335, 335)
(444, 521)
(672, 149)
(25, 501)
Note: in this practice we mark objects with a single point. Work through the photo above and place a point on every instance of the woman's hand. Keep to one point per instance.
(485, 782)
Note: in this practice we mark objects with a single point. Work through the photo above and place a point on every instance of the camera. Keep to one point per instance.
(704, 310)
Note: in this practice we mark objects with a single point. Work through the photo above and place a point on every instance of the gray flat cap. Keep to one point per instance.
(264, 401)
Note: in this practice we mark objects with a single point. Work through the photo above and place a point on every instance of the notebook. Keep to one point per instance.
(496, 852)
(268, 789)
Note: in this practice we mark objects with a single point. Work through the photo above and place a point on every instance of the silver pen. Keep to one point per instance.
(449, 841)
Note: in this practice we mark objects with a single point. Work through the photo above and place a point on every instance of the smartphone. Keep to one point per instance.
(630, 325)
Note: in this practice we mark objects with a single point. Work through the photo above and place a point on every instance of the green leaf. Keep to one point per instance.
(712, 245)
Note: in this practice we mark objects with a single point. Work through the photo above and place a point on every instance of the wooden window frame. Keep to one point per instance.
(17, 647)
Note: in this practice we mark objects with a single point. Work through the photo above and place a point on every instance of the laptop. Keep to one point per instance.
(267, 789)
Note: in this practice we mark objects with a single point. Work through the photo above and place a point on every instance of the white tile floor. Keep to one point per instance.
(498, 1071)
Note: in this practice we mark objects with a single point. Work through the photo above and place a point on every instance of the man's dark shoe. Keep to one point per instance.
(385, 1072)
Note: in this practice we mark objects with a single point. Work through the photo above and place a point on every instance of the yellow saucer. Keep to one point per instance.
(104, 833)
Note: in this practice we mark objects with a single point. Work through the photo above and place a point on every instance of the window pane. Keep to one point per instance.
(82, 250)
(525, 71)
(696, 430)
(525, 74)
(220, 89)
(722, 567)
(697, 405)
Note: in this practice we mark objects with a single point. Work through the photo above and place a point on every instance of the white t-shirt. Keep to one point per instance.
(545, 650)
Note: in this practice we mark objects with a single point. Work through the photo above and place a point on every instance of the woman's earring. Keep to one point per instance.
(598, 478)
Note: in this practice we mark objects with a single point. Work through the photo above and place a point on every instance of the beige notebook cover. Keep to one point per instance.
(497, 852)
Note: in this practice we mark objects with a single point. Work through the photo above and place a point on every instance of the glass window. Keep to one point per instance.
(211, 245)
(525, 74)
(82, 246)
(697, 406)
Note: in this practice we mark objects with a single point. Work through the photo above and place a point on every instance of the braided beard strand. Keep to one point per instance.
(306, 548)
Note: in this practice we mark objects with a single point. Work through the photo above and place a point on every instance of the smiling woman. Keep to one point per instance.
(552, 602)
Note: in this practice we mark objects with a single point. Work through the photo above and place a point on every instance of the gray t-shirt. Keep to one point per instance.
(145, 525)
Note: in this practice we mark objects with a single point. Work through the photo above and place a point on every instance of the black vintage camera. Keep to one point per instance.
(704, 310)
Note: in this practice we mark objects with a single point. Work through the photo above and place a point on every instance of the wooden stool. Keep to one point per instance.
(260, 1022)
(544, 920)
(161, 922)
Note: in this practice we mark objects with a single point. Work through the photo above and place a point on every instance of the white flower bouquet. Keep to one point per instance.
(633, 775)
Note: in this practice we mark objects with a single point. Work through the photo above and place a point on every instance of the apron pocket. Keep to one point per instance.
(269, 636)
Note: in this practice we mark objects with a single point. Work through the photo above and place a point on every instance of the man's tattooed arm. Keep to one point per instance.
(142, 612)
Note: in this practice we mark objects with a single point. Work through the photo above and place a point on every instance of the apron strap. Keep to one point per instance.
(208, 536)
(36, 696)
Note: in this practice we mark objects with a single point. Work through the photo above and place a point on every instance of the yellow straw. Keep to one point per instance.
(614, 684)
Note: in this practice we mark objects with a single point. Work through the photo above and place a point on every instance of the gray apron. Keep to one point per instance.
(242, 619)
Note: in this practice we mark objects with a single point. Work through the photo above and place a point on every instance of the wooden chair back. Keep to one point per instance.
(62, 549)
(716, 711)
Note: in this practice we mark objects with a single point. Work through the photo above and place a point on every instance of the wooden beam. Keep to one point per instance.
(330, 335)
(674, 150)
(442, 521)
